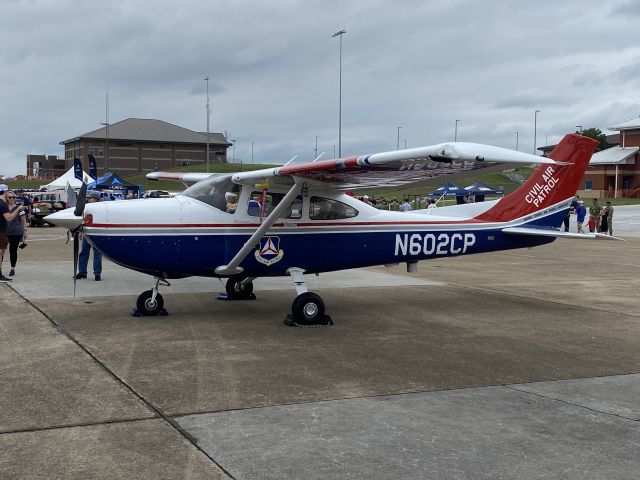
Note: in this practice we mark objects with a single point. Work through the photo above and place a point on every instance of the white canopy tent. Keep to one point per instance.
(60, 183)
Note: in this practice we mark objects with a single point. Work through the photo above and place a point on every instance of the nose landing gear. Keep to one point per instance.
(150, 303)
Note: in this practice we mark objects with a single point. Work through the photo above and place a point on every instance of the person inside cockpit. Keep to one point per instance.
(232, 202)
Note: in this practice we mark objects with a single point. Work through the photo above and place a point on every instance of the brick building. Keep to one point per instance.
(45, 167)
(138, 145)
(615, 171)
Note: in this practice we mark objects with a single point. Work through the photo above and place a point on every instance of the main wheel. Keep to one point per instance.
(238, 291)
(146, 306)
(307, 308)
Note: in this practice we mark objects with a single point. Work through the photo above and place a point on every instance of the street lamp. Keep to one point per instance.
(535, 130)
(316, 149)
(252, 142)
(398, 141)
(339, 34)
(516, 141)
(106, 146)
(455, 134)
(106, 134)
(206, 79)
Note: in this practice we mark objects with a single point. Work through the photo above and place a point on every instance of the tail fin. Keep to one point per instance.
(549, 184)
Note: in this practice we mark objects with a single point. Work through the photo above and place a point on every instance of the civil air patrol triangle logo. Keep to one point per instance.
(268, 251)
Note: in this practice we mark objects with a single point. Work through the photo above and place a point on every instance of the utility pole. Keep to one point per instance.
(206, 79)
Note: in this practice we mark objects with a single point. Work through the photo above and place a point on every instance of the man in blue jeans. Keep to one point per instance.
(83, 258)
(581, 212)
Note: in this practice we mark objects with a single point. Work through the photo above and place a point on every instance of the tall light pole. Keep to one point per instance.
(252, 142)
(535, 130)
(106, 134)
(398, 141)
(455, 133)
(339, 34)
(316, 149)
(516, 141)
(206, 79)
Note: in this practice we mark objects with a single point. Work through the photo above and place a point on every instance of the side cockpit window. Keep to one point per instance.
(263, 204)
(328, 209)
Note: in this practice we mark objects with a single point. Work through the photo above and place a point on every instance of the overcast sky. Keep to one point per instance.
(274, 67)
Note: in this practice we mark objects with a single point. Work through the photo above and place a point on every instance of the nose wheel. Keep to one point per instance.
(150, 303)
(149, 306)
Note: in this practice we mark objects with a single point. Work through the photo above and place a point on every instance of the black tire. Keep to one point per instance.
(236, 290)
(146, 307)
(307, 308)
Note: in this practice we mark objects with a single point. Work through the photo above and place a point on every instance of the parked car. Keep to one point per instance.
(156, 194)
(42, 205)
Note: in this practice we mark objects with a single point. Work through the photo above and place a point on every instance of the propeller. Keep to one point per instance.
(81, 200)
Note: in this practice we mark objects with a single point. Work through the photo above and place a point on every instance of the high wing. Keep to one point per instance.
(390, 169)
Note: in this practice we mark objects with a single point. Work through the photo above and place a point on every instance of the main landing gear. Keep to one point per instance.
(239, 287)
(150, 303)
(307, 308)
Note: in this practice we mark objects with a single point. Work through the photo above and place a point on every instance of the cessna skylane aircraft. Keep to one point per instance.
(296, 219)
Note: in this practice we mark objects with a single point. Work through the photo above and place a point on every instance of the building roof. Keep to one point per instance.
(631, 124)
(149, 130)
(612, 140)
(615, 155)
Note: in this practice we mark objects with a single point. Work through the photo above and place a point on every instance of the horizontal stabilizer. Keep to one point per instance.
(547, 232)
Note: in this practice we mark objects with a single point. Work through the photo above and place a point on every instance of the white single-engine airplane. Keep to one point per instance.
(296, 219)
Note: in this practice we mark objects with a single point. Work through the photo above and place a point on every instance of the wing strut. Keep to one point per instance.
(233, 267)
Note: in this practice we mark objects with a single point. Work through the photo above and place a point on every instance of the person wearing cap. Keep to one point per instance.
(7, 214)
(83, 258)
(581, 213)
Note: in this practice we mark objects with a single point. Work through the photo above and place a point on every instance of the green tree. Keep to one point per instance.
(597, 135)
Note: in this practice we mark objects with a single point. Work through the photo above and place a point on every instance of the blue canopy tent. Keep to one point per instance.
(111, 181)
(450, 189)
(480, 189)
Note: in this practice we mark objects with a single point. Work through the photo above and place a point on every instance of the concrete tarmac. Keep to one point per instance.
(520, 364)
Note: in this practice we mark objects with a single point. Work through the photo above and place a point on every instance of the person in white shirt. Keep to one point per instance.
(405, 207)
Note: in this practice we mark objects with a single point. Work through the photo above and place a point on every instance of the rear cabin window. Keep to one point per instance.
(264, 204)
(328, 209)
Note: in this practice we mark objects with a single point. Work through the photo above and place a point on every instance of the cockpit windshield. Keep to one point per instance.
(214, 191)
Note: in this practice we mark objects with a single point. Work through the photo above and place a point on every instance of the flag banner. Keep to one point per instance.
(93, 169)
(77, 168)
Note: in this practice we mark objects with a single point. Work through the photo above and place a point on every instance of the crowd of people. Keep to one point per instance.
(393, 204)
(600, 218)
